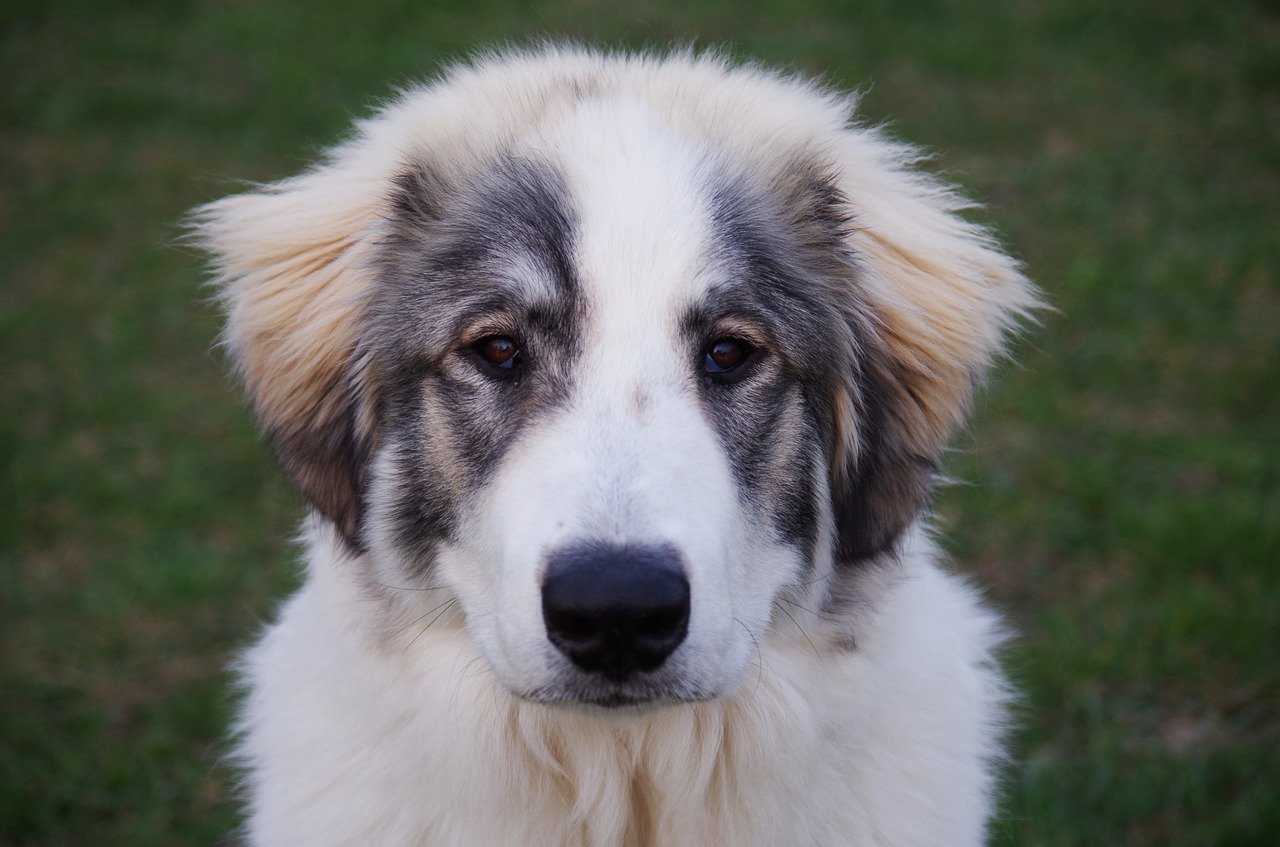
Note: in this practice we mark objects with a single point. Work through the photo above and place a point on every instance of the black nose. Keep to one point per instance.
(615, 610)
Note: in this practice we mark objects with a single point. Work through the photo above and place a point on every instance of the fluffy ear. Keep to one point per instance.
(936, 297)
(292, 270)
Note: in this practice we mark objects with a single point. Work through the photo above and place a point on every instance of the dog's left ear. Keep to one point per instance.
(292, 263)
(933, 298)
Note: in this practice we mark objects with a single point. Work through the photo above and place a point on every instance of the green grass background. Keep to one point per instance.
(1120, 487)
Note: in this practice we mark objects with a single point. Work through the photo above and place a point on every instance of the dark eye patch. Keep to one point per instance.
(470, 284)
(778, 262)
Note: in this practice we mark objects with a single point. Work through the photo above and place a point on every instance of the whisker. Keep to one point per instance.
(429, 623)
(819, 615)
(802, 632)
(410, 587)
(816, 579)
(416, 620)
(759, 655)
(462, 675)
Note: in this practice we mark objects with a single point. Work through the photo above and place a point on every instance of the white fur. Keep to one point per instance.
(389, 716)
(355, 741)
(598, 468)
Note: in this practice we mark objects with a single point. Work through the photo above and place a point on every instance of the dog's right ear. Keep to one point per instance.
(293, 268)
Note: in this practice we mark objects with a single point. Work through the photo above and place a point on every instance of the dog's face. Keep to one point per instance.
(606, 424)
(613, 387)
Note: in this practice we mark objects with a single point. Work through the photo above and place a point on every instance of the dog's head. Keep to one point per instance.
(615, 352)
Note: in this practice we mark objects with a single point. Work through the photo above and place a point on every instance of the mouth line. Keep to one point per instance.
(610, 699)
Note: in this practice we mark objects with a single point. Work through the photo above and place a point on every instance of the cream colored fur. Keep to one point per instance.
(883, 729)
(291, 258)
(354, 740)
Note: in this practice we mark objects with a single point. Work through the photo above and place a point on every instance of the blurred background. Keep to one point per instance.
(1119, 490)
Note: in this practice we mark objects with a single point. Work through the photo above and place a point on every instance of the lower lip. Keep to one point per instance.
(617, 702)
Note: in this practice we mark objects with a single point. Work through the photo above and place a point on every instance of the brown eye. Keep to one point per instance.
(500, 351)
(725, 355)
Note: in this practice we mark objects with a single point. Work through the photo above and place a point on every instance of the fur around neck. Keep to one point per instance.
(351, 738)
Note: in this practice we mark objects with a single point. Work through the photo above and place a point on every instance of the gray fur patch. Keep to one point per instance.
(487, 256)
(788, 270)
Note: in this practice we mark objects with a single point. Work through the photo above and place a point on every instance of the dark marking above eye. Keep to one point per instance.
(456, 305)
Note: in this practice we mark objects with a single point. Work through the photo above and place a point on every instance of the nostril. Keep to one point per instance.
(662, 622)
(571, 625)
(616, 609)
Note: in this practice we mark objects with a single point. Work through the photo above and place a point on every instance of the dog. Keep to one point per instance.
(616, 385)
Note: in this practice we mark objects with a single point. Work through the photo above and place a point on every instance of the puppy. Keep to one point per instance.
(616, 385)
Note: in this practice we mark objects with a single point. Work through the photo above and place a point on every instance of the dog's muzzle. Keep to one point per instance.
(616, 611)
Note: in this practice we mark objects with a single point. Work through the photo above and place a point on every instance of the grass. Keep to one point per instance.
(1121, 493)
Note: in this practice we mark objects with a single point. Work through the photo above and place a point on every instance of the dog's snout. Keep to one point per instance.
(616, 610)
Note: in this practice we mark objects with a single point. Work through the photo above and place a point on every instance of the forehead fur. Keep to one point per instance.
(943, 291)
(296, 260)
(639, 191)
(476, 110)
(487, 243)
